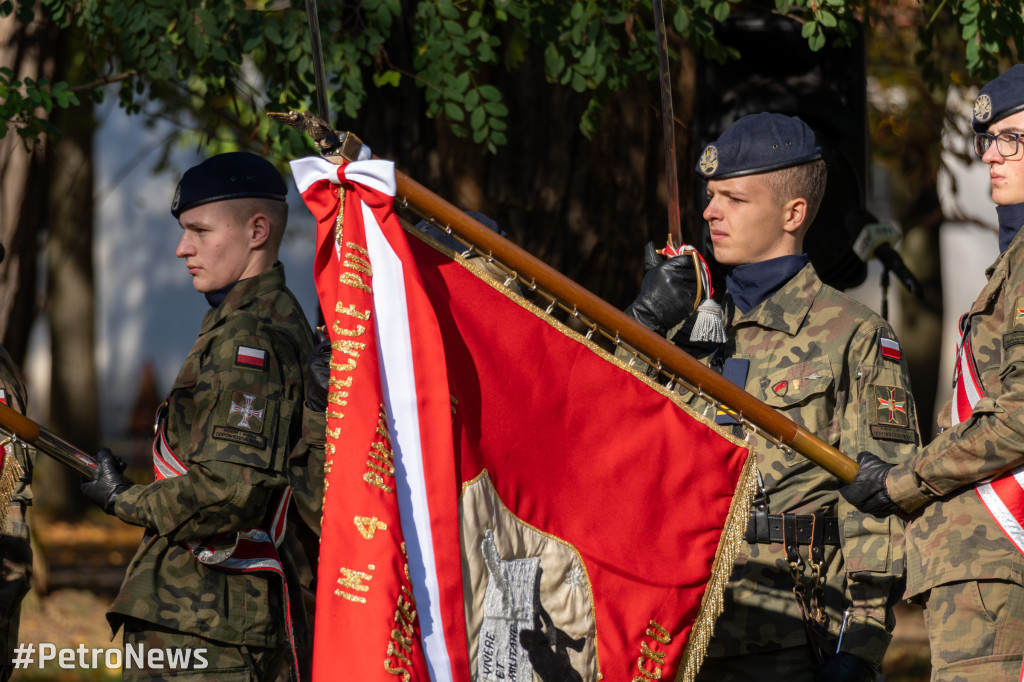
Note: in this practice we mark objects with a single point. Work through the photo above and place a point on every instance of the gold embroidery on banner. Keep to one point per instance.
(455, 403)
(345, 346)
(657, 656)
(358, 331)
(403, 637)
(659, 635)
(369, 525)
(347, 367)
(335, 415)
(397, 671)
(359, 263)
(353, 580)
(381, 463)
(351, 311)
(340, 383)
(338, 398)
(339, 224)
(353, 280)
(334, 433)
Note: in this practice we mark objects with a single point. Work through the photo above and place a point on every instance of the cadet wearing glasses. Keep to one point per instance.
(964, 491)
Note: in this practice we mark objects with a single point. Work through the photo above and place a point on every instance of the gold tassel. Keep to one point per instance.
(10, 477)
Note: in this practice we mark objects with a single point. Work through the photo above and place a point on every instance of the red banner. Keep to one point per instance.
(504, 499)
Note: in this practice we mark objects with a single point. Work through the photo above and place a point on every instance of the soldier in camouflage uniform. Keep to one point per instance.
(224, 434)
(811, 592)
(964, 490)
(15, 547)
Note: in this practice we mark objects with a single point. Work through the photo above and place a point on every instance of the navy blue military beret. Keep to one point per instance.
(234, 175)
(1002, 96)
(758, 143)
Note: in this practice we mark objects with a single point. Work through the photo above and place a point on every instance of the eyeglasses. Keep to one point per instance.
(1006, 143)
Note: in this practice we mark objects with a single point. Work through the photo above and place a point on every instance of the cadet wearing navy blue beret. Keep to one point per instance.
(808, 597)
(963, 493)
(234, 175)
(759, 143)
(224, 436)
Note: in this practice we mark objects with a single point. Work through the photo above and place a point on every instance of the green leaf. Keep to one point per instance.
(461, 82)
(496, 108)
(490, 93)
(722, 11)
(827, 18)
(454, 112)
(478, 119)
(808, 29)
(579, 83)
(681, 20)
(472, 100)
(480, 135)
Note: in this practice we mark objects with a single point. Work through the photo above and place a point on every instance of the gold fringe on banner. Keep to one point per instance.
(10, 476)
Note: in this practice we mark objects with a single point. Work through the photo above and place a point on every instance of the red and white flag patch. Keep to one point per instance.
(3, 396)
(891, 349)
(251, 357)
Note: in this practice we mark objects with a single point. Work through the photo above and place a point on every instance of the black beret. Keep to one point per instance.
(1002, 96)
(758, 143)
(233, 175)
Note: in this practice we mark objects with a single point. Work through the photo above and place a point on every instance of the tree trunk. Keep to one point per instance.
(29, 52)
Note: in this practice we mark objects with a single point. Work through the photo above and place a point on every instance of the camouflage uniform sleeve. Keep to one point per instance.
(238, 436)
(986, 444)
(879, 417)
(306, 469)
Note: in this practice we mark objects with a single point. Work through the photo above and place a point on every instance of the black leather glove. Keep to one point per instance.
(667, 293)
(867, 492)
(318, 372)
(847, 667)
(109, 482)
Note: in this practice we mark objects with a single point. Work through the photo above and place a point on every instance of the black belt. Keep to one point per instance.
(764, 528)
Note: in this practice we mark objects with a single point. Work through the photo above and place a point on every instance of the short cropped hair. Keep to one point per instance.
(276, 211)
(806, 181)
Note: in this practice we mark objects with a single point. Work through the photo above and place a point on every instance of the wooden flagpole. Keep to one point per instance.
(532, 270)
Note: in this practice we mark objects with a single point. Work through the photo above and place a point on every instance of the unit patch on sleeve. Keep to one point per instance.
(255, 358)
(245, 418)
(1015, 334)
(889, 414)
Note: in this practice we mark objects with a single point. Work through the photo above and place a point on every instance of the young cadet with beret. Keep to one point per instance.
(964, 489)
(811, 592)
(224, 434)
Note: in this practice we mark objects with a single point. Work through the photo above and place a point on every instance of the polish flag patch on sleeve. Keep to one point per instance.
(891, 349)
(256, 358)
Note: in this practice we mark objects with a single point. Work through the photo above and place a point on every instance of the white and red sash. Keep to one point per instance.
(1004, 495)
(254, 549)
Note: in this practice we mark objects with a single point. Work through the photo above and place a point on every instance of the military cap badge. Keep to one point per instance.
(709, 160)
(983, 108)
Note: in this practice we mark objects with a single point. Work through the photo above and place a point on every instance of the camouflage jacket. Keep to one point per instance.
(232, 416)
(952, 536)
(13, 394)
(815, 356)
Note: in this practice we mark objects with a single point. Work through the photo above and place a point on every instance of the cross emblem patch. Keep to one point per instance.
(891, 405)
(247, 406)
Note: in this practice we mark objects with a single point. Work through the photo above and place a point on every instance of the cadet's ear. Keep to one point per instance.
(794, 215)
(259, 230)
